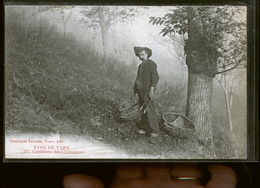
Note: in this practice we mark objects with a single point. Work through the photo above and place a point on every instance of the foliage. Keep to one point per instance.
(55, 84)
(176, 21)
(221, 29)
(215, 43)
(111, 15)
(62, 76)
(104, 18)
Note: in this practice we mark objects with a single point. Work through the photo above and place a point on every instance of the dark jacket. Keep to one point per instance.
(147, 76)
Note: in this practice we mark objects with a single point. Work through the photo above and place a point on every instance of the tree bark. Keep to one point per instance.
(199, 105)
(201, 58)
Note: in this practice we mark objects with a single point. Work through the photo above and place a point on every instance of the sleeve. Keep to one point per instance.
(154, 76)
(135, 83)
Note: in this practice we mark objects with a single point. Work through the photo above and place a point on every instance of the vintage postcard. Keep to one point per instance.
(126, 82)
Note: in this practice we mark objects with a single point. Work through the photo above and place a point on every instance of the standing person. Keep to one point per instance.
(145, 85)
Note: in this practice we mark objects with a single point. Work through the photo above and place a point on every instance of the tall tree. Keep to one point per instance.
(104, 17)
(65, 18)
(228, 82)
(214, 33)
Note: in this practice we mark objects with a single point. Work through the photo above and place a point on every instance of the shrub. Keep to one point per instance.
(63, 76)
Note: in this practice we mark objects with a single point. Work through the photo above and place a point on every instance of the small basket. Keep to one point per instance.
(177, 124)
(130, 112)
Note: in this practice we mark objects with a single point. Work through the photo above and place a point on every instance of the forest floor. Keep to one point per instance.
(112, 140)
(55, 85)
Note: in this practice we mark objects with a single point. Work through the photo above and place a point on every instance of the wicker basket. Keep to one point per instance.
(130, 112)
(177, 124)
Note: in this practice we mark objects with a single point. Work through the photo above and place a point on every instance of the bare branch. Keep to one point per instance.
(240, 61)
(69, 14)
(219, 81)
(175, 40)
(227, 50)
(163, 45)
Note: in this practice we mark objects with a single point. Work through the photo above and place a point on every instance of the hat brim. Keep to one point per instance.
(138, 49)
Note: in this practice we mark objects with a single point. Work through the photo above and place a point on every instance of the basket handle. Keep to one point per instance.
(122, 109)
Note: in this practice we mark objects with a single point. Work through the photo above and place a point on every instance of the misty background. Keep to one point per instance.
(68, 88)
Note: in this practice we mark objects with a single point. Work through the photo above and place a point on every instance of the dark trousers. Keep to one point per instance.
(149, 119)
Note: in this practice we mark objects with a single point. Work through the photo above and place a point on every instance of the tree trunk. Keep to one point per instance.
(229, 111)
(105, 42)
(224, 86)
(199, 105)
(228, 101)
(104, 26)
(201, 58)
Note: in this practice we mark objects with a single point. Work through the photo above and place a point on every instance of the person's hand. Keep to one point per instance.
(151, 93)
(135, 93)
(157, 175)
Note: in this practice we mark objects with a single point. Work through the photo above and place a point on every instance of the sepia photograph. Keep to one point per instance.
(126, 82)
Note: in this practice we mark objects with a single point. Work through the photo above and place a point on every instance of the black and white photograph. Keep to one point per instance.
(126, 82)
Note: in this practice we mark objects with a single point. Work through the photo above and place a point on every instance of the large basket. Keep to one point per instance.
(177, 124)
(130, 112)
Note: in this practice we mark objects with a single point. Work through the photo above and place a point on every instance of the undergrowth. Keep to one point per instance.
(52, 79)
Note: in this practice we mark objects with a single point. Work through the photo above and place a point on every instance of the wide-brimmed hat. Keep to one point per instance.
(138, 49)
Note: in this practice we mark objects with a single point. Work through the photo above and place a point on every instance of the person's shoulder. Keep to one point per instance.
(151, 62)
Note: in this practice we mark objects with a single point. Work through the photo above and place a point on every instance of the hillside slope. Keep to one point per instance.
(56, 85)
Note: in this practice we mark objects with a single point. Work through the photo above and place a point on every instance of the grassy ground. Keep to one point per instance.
(55, 84)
